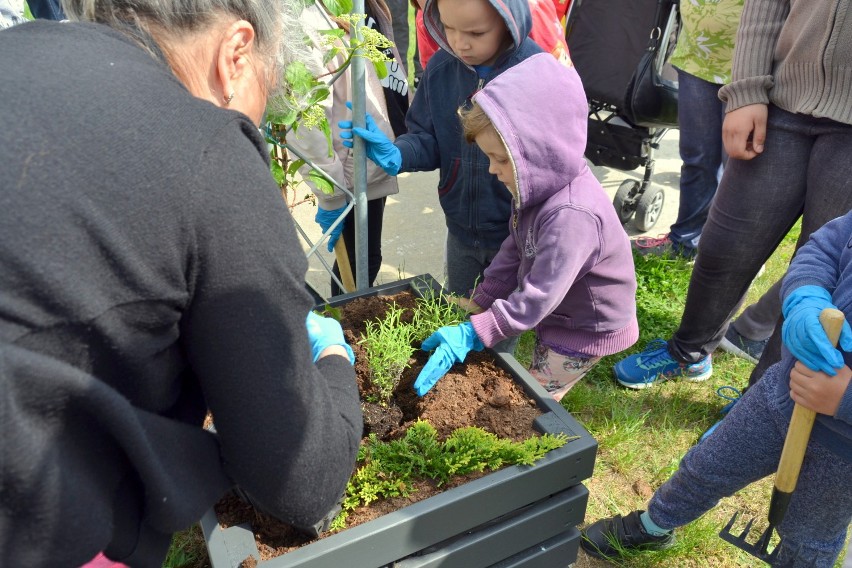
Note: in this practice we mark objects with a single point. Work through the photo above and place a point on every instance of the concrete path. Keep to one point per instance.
(414, 231)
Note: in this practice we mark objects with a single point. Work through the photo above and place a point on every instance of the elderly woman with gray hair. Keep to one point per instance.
(149, 274)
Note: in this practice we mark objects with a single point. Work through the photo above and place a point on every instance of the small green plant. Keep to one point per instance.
(388, 469)
(433, 311)
(388, 343)
(330, 311)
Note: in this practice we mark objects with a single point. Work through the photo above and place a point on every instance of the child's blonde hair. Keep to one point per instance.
(473, 121)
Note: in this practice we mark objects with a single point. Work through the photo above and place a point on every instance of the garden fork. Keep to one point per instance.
(789, 466)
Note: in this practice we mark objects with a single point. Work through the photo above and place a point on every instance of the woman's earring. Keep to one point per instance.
(229, 98)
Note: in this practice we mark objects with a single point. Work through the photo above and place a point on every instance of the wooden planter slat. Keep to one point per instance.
(518, 516)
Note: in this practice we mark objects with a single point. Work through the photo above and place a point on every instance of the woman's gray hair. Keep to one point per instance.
(279, 36)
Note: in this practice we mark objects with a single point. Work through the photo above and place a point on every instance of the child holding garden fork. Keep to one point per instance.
(747, 445)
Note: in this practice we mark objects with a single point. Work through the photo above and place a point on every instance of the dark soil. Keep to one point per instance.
(474, 393)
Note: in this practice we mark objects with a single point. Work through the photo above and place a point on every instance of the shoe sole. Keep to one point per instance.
(729, 347)
(660, 378)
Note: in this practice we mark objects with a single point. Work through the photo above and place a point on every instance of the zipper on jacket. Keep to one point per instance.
(474, 184)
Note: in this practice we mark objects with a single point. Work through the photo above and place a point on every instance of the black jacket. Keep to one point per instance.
(149, 270)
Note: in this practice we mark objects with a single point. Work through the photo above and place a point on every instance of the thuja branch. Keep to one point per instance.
(389, 469)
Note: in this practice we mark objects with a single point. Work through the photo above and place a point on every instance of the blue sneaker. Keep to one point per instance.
(733, 397)
(654, 363)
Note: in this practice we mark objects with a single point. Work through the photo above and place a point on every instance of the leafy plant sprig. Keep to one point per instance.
(388, 469)
(298, 105)
(388, 343)
(433, 311)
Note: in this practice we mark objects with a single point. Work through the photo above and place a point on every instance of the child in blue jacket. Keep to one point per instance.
(566, 269)
(479, 39)
(746, 446)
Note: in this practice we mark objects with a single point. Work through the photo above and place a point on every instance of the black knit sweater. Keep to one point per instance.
(149, 271)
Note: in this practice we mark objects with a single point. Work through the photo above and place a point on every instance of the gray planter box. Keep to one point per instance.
(520, 516)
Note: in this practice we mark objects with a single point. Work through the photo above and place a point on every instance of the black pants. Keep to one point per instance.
(375, 216)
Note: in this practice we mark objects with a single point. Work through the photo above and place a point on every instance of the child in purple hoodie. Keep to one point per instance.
(566, 269)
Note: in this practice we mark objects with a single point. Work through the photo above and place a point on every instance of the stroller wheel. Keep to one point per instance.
(625, 200)
(649, 208)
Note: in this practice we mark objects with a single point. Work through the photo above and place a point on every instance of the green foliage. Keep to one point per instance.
(389, 341)
(388, 345)
(332, 312)
(298, 106)
(388, 469)
(434, 311)
(662, 283)
(338, 7)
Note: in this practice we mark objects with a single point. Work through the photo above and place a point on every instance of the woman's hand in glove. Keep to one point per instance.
(324, 333)
(325, 218)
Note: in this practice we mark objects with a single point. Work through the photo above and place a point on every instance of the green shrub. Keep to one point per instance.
(388, 469)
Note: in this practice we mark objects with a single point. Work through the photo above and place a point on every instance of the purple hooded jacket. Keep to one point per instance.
(566, 269)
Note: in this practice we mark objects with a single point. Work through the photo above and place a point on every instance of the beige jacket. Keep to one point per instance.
(312, 143)
(796, 54)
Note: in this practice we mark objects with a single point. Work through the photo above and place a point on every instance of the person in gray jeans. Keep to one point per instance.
(788, 134)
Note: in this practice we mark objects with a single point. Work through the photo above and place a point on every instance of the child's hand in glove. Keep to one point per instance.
(379, 147)
(803, 334)
(325, 332)
(451, 344)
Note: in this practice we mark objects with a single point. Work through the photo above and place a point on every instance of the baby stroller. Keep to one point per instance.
(620, 49)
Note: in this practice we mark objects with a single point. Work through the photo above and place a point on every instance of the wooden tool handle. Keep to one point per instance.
(342, 256)
(803, 418)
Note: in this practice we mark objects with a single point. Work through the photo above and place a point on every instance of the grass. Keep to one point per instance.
(187, 550)
(643, 434)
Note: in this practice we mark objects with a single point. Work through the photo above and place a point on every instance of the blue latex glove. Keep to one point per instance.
(452, 344)
(379, 147)
(803, 334)
(324, 332)
(325, 219)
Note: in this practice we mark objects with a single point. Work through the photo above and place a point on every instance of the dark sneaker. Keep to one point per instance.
(741, 346)
(655, 364)
(609, 538)
(662, 245)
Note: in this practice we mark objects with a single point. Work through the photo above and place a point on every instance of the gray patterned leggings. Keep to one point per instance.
(746, 447)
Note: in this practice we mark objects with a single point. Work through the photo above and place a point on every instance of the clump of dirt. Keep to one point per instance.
(474, 393)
